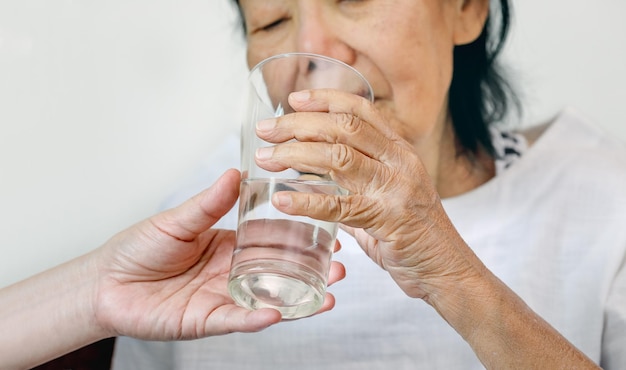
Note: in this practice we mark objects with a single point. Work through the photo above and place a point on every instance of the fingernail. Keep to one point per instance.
(264, 152)
(282, 200)
(266, 124)
(300, 96)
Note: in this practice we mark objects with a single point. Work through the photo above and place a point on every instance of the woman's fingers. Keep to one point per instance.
(339, 102)
(336, 117)
(341, 135)
(351, 210)
(350, 168)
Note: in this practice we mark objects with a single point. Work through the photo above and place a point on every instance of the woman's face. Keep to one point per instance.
(403, 47)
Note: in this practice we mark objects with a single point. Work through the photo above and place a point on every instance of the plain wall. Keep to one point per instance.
(106, 106)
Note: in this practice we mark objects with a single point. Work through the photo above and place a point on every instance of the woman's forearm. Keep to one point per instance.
(48, 315)
(502, 330)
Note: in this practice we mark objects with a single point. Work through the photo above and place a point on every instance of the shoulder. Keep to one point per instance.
(570, 136)
(573, 152)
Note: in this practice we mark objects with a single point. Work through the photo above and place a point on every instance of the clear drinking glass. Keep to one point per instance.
(282, 261)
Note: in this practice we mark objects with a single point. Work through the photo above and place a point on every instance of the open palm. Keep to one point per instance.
(166, 278)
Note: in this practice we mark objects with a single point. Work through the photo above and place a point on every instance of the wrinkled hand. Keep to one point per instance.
(395, 214)
(166, 277)
(393, 210)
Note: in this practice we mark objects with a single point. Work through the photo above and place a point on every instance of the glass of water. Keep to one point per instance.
(282, 261)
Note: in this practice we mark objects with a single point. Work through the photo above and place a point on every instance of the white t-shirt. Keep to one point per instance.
(552, 226)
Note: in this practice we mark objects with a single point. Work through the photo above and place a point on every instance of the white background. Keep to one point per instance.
(107, 106)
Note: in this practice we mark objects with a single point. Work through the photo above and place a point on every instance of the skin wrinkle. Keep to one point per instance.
(200, 325)
(158, 239)
(362, 209)
(195, 283)
(376, 187)
(349, 122)
(341, 158)
(165, 230)
(125, 259)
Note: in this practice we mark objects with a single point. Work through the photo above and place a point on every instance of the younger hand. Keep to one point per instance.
(166, 278)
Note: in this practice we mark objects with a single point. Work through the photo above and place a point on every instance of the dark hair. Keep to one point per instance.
(479, 94)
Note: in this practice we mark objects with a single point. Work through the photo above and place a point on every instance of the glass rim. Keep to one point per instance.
(260, 64)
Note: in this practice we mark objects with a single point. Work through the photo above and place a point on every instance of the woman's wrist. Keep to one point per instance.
(458, 296)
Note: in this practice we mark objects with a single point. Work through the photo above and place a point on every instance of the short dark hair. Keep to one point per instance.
(479, 93)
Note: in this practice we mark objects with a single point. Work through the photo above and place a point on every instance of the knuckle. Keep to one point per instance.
(342, 208)
(336, 206)
(341, 156)
(322, 207)
(358, 209)
(366, 104)
(350, 122)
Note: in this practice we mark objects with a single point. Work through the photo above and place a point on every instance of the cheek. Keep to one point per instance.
(259, 49)
(417, 61)
(256, 55)
(419, 88)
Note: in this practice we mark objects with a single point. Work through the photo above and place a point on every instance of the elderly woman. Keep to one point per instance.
(498, 249)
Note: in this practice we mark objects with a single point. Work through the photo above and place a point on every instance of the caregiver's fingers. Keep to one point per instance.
(329, 303)
(199, 213)
(336, 273)
(337, 247)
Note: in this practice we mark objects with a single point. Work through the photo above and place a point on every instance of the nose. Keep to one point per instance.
(309, 67)
(317, 34)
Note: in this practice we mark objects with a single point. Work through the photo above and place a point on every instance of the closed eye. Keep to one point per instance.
(273, 25)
